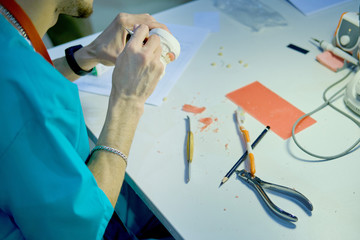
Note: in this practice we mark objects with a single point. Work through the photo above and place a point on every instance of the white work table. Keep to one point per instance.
(200, 209)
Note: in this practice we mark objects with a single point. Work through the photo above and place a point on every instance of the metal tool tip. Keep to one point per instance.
(316, 40)
(129, 31)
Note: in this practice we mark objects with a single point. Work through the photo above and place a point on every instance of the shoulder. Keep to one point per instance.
(33, 90)
(27, 78)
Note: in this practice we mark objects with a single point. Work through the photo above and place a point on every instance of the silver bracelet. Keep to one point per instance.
(110, 149)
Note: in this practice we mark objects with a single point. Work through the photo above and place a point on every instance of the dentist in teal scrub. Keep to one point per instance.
(47, 191)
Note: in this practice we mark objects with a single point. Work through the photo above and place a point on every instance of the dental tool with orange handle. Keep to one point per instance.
(240, 117)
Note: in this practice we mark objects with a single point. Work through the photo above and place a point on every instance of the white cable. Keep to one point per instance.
(326, 103)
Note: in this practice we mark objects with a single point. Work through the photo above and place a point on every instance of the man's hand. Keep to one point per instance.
(138, 68)
(110, 43)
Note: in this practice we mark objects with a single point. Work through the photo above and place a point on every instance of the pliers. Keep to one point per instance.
(260, 185)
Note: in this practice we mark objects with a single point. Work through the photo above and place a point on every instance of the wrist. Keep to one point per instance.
(126, 105)
(84, 57)
(121, 122)
(73, 62)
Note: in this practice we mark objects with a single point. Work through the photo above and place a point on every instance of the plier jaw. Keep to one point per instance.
(260, 185)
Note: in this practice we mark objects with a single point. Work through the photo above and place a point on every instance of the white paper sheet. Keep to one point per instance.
(190, 38)
(209, 20)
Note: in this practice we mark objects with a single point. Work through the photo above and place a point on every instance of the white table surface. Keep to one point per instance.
(202, 210)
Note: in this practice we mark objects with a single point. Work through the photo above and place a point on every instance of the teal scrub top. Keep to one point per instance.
(46, 189)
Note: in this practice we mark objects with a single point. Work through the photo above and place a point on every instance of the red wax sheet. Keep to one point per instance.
(269, 108)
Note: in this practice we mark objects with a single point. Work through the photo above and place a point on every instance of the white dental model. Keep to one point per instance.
(169, 44)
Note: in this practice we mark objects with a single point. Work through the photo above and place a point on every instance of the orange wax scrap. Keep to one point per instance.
(206, 121)
(192, 109)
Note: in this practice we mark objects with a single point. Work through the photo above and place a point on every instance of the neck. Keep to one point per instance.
(42, 13)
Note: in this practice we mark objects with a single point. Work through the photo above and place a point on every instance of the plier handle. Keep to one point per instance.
(260, 185)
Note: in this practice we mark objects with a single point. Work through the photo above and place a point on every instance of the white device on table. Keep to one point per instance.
(347, 32)
(338, 52)
(352, 94)
(347, 39)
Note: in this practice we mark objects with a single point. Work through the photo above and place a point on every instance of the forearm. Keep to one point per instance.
(137, 71)
(118, 132)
